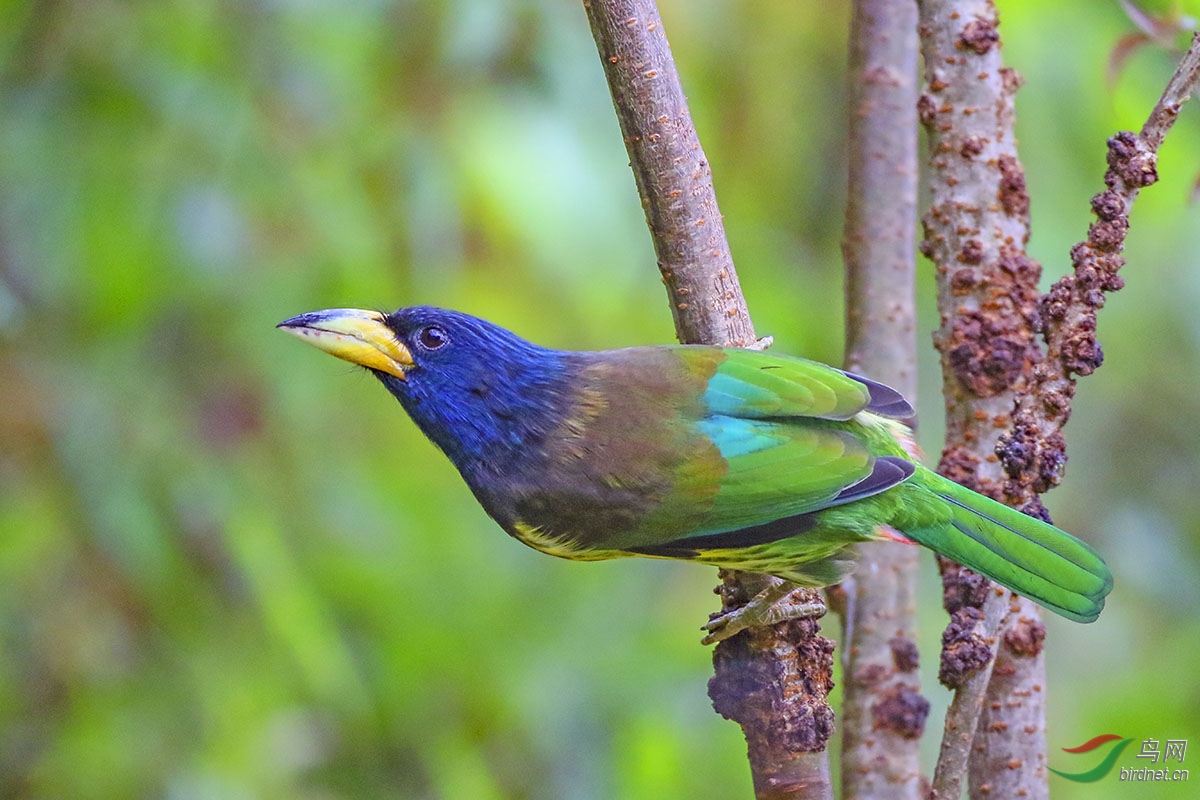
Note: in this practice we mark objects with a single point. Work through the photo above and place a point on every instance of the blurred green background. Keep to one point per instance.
(231, 568)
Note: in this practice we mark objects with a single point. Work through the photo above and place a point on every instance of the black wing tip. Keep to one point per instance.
(886, 472)
(885, 401)
(903, 465)
(900, 409)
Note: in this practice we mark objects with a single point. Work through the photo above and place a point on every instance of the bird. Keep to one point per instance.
(738, 458)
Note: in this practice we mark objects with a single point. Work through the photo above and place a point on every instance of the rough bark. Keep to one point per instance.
(774, 682)
(672, 174)
(975, 233)
(968, 658)
(883, 714)
(1034, 451)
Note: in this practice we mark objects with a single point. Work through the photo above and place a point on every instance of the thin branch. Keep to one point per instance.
(975, 233)
(969, 657)
(878, 244)
(1034, 452)
(672, 173)
(883, 714)
(775, 681)
(1178, 91)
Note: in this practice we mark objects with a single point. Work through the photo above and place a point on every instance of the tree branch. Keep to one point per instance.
(993, 361)
(672, 174)
(883, 714)
(773, 681)
(1034, 451)
(968, 659)
(975, 233)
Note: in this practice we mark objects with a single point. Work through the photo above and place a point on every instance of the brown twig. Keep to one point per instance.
(883, 713)
(672, 174)
(773, 681)
(975, 233)
(968, 659)
(1034, 451)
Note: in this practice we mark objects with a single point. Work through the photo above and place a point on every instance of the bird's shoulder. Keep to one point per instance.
(736, 382)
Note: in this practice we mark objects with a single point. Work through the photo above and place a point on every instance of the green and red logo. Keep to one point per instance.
(1104, 767)
(1153, 752)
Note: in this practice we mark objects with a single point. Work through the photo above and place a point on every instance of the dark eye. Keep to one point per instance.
(432, 337)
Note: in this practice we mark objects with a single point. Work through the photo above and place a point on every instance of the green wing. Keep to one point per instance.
(755, 385)
(785, 433)
(779, 469)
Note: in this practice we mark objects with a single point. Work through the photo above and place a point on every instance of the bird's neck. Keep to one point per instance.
(495, 421)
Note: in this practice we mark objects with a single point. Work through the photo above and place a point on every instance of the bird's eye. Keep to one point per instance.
(432, 337)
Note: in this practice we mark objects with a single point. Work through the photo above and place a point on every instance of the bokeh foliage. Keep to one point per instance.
(229, 567)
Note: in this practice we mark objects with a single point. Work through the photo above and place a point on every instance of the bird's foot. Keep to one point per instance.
(774, 604)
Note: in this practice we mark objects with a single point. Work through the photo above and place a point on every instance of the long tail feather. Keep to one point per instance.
(1031, 557)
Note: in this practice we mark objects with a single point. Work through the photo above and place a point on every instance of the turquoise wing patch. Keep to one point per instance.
(757, 385)
(779, 469)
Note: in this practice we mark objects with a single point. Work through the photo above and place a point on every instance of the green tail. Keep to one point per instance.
(1031, 557)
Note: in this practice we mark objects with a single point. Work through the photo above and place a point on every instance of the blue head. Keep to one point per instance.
(479, 392)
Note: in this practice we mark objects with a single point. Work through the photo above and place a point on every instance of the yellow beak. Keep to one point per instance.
(360, 337)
